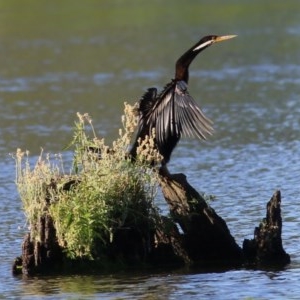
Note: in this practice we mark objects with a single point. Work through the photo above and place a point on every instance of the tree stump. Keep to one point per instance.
(266, 246)
(42, 254)
(207, 239)
(194, 235)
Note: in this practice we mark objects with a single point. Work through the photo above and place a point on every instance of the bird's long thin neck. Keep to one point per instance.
(182, 66)
(183, 63)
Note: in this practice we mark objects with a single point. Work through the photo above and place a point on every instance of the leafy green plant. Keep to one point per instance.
(105, 190)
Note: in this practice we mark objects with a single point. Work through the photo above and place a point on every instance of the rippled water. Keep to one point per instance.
(57, 59)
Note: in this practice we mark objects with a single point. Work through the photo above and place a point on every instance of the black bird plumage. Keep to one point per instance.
(173, 112)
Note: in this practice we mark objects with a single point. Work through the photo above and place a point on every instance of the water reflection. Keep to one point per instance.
(239, 284)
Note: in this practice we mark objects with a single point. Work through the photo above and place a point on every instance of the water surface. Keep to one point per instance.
(60, 58)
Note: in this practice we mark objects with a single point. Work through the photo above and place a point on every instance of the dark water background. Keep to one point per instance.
(60, 57)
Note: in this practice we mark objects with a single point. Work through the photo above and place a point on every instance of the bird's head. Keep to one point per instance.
(209, 40)
(185, 60)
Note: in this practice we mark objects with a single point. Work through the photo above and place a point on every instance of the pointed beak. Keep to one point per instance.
(223, 38)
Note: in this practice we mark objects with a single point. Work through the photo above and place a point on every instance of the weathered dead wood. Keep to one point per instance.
(266, 246)
(27, 259)
(207, 238)
(40, 254)
(169, 244)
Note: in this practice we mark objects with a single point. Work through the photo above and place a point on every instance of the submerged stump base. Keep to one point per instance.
(194, 235)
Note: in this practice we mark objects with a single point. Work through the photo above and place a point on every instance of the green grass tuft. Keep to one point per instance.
(103, 192)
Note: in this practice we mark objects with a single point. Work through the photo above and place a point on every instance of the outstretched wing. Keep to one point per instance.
(146, 104)
(172, 113)
(147, 101)
(189, 115)
(177, 113)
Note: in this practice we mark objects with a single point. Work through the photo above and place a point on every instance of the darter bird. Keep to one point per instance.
(173, 112)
